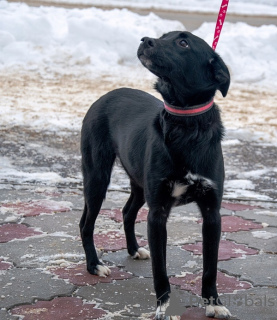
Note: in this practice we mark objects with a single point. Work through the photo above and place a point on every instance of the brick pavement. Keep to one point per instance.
(43, 274)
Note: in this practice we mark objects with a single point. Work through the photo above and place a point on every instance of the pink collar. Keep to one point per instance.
(189, 111)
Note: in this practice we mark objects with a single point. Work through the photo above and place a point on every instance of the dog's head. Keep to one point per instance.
(187, 68)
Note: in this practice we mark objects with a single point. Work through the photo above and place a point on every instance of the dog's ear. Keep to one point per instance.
(221, 74)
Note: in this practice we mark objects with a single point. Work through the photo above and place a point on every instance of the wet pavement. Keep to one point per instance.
(42, 263)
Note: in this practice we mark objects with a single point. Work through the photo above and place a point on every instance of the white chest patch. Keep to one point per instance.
(180, 188)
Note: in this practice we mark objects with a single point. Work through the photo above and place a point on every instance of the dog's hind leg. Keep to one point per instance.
(96, 171)
(130, 211)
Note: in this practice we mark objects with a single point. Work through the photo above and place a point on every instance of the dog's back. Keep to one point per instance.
(117, 123)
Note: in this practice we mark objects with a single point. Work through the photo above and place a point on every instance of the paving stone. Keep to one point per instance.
(178, 232)
(20, 286)
(113, 241)
(186, 209)
(134, 296)
(128, 317)
(77, 274)
(259, 270)
(60, 309)
(234, 224)
(4, 265)
(178, 261)
(65, 222)
(33, 192)
(7, 217)
(116, 214)
(263, 216)
(265, 239)
(227, 250)
(37, 207)
(4, 315)
(237, 206)
(12, 231)
(194, 314)
(19, 194)
(193, 282)
(254, 303)
(43, 251)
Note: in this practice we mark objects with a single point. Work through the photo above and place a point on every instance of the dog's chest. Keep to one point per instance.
(191, 185)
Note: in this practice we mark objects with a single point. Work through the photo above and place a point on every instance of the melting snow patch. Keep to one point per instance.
(231, 142)
(239, 184)
(261, 234)
(190, 264)
(9, 172)
(245, 194)
(267, 213)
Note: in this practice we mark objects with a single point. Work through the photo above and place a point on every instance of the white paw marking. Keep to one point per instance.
(103, 271)
(178, 189)
(160, 313)
(218, 312)
(141, 254)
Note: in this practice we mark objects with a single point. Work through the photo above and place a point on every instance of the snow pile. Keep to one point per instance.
(250, 52)
(60, 39)
(64, 41)
(254, 7)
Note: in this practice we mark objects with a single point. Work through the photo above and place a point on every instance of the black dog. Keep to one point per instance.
(171, 151)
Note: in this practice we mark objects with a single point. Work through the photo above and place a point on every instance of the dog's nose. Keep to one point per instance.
(148, 41)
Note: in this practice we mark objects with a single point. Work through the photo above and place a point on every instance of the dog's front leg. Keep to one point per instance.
(211, 231)
(157, 237)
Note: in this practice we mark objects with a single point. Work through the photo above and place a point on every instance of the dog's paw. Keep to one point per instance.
(160, 313)
(102, 271)
(141, 254)
(219, 312)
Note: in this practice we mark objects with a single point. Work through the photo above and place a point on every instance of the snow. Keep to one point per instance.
(263, 234)
(242, 184)
(7, 169)
(65, 40)
(248, 51)
(95, 41)
(243, 189)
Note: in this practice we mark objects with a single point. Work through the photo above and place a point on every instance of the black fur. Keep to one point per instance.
(158, 149)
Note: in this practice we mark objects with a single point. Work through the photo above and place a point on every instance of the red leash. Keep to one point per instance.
(220, 21)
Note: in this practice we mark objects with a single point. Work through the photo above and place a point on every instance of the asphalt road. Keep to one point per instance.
(193, 20)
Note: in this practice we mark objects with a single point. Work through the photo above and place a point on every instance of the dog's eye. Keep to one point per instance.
(183, 43)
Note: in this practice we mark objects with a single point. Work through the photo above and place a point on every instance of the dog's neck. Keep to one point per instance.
(184, 97)
(189, 111)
